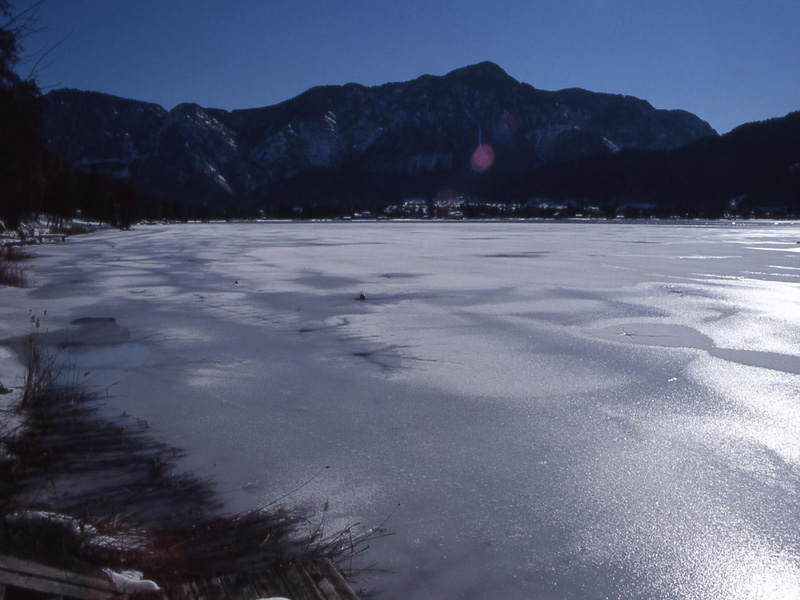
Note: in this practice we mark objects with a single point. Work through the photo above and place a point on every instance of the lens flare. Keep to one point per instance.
(482, 158)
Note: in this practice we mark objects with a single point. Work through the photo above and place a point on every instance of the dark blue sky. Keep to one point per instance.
(728, 61)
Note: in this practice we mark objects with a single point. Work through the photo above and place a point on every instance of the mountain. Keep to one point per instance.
(354, 141)
(752, 170)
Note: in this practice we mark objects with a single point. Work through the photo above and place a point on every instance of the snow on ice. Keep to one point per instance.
(545, 410)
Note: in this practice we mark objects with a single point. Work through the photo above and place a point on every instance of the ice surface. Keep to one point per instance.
(559, 410)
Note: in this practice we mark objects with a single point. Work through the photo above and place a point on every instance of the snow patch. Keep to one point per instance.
(131, 582)
(611, 145)
(217, 177)
(330, 120)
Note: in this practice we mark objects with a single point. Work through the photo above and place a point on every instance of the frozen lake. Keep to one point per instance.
(560, 410)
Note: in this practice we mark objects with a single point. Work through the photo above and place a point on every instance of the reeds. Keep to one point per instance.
(13, 253)
(11, 273)
(76, 482)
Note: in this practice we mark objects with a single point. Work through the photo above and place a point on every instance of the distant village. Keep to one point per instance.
(460, 207)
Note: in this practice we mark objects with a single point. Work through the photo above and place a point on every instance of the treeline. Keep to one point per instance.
(343, 191)
(21, 150)
(32, 181)
(751, 171)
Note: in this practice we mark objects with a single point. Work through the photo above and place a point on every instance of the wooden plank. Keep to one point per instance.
(269, 584)
(51, 580)
(182, 592)
(240, 587)
(57, 588)
(326, 588)
(330, 580)
(210, 589)
(301, 586)
(18, 565)
(148, 595)
(316, 580)
(176, 592)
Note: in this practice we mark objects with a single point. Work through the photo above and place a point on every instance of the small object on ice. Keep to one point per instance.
(362, 296)
(236, 282)
(131, 582)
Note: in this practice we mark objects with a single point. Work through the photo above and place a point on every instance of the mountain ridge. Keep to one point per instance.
(427, 127)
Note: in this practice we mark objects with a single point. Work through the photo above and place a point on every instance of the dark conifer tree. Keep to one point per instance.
(21, 149)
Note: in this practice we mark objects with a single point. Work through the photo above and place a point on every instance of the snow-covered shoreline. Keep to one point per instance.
(559, 409)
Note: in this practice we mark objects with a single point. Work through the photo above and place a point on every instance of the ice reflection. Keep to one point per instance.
(751, 572)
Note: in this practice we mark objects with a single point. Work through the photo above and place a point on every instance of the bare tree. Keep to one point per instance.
(15, 30)
(21, 149)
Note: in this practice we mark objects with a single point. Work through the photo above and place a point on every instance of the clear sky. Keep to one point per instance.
(728, 61)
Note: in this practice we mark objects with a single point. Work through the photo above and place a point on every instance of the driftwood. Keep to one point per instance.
(298, 580)
(28, 575)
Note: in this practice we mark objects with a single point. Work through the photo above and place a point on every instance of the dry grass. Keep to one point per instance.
(11, 273)
(131, 508)
(14, 253)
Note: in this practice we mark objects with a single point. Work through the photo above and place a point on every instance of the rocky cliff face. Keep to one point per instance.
(428, 127)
